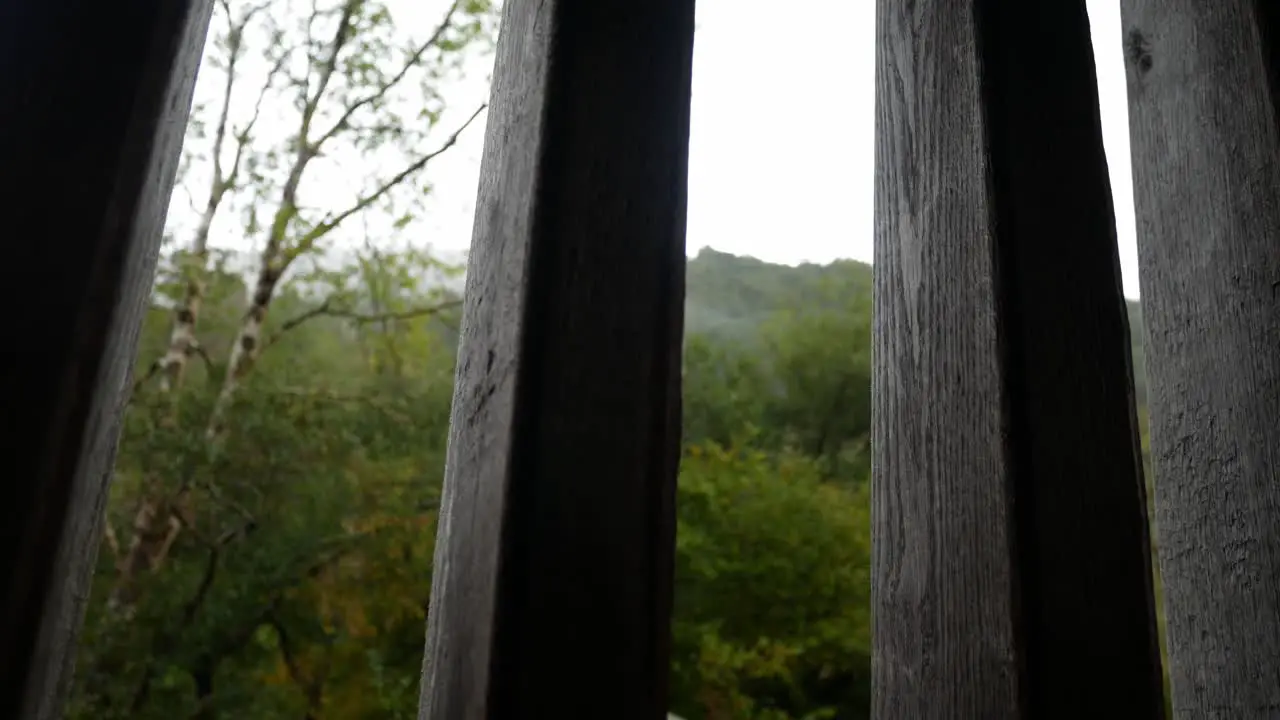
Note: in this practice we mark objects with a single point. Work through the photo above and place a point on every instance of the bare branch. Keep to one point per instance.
(243, 134)
(327, 226)
(112, 540)
(211, 569)
(152, 371)
(235, 36)
(411, 314)
(323, 308)
(309, 687)
(327, 309)
(305, 150)
(235, 47)
(340, 37)
(203, 354)
(449, 325)
(191, 199)
(414, 59)
(304, 83)
(331, 396)
(216, 493)
(167, 640)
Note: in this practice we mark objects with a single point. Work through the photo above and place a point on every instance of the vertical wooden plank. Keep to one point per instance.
(1206, 165)
(94, 99)
(1011, 568)
(944, 631)
(552, 580)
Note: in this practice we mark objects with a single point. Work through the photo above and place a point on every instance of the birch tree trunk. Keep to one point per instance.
(171, 366)
(338, 101)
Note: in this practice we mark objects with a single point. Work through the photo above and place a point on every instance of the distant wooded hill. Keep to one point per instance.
(730, 296)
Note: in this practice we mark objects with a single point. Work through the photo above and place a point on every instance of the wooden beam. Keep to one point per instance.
(556, 535)
(94, 99)
(1206, 166)
(1011, 564)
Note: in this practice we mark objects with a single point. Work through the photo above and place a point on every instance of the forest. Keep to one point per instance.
(268, 545)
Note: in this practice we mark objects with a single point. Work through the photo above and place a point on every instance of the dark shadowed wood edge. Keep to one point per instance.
(94, 98)
(1011, 563)
(1206, 166)
(552, 579)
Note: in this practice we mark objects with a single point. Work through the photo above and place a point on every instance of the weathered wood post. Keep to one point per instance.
(1203, 92)
(94, 98)
(552, 578)
(1011, 567)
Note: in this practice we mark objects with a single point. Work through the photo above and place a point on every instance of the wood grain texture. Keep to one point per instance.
(556, 538)
(94, 99)
(1011, 564)
(1206, 167)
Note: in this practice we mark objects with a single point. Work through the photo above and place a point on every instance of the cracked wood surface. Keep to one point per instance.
(1202, 81)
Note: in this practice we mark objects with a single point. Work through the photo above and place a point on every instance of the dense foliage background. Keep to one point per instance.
(269, 547)
(316, 607)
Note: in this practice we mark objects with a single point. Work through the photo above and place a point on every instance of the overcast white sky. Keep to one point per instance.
(781, 161)
(780, 158)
